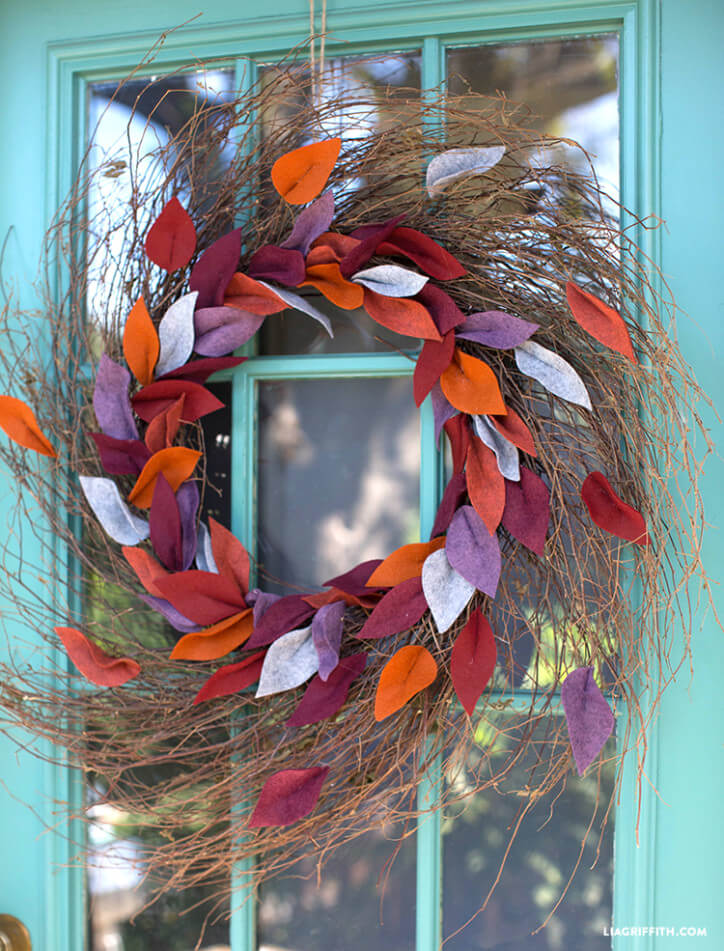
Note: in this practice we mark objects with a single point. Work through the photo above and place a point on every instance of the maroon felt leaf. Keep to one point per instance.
(159, 396)
(177, 620)
(527, 510)
(611, 513)
(232, 678)
(355, 580)
(219, 330)
(435, 357)
(202, 596)
(212, 272)
(164, 522)
(171, 240)
(458, 432)
(472, 551)
(280, 618)
(322, 699)
(187, 499)
(400, 609)
(442, 410)
(451, 500)
(198, 371)
(310, 224)
(327, 626)
(370, 238)
(442, 308)
(494, 328)
(426, 253)
(588, 716)
(288, 796)
(111, 403)
(284, 265)
(121, 456)
(472, 660)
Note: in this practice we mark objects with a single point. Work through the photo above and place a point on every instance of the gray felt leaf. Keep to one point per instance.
(506, 454)
(112, 512)
(297, 302)
(290, 660)
(446, 592)
(553, 372)
(204, 553)
(391, 280)
(176, 334)
(460, 163)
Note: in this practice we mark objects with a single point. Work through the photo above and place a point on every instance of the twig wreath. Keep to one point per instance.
(554, 378)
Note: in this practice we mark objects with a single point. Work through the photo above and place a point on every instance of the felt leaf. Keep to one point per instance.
(300, 175)
(454, 164)
(165, 525)
(163, 428)
(311, 223)
(230, 555)
(452, 497)
(486, 484)
(610, 512)
(112, 513)
(458, 433)
(327, 626)
(146, 567)
(406, 673)
(198, 371)
(111, 403)
(470, 385)
(288, 796)
(355, 580)
(290, 660)
(176, 463)
(512, 427)
(472, 551)
(391, 280)
(400, 314)
(18, 421)
(140, 343)
(588, 716)
(527, 510)
(442, 308)
(602, 322)
(494, 328)
(297, 302)
(279, 618)
(158, 397)
(171, 239)
(177, 620)
(336, 247)
(232, 678)
(187, 499)
(261, 601)
(216, 641)
(212, 272)
(277, 264)
(328, 280)
(219, 330)
(121, 456)
(435, 357)
(322, 699)
(204, 552)
(446, 592)
(176, 334)
(404, 563)
(442, 411)
(426, 253)
(254, 297)
(202, 597)
(93, 662)
(506, 453)
(399, 610)
(552, 372)
(472, 660)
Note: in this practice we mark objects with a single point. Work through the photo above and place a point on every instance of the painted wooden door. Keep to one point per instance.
(671, 141)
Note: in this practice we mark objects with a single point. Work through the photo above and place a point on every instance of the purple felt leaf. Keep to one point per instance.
(322, 699)
(165, 524)
(441, 410)
(121, 456)
(111, 402)
(327, 625)
(288, 796)
(442, 308)
(219, 330)
(495, 328)
(277, 264)
(212, 272)
(452, 497)
(472, 551)
(527, 510)
(283, 616)
(261, 601)
(198, 371)
(310, 223)
(187, 499)
(355, 580)
(588, 716)
(175, 618)
(400, 609)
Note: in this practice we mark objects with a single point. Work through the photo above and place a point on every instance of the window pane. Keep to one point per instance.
(338, 476)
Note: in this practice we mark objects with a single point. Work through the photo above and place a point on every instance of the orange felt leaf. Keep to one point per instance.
(404, 563)
(470, 386)
(602, 322)
(231, 558)
(216, 641)
(140, 343)
(146, 567)
(328, 280)
(486, 484)
(97, 666)
(402, 315)
(404, 675)
(176, 463)
(250, 295)
(19, 422)
(514, 429)
(162, 429)
(300, 175)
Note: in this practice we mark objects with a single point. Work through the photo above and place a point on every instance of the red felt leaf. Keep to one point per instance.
(400, 609)
(442, 308)
(201, 596)
(288, 796)
(97, 666)
(527, 510)
(252, 296)
(146, 567)
(472, 660)
(324, 698)
(231, 558)
(602, 322)
(426, 253)
(159, 396)
(171, 240)
(514, 429)
(611, 513)
(486, 485)
(401, 314)
(163, 428)
(458, 432)
(434, 359)
(232, 678)
(330, 247)
(452, 498)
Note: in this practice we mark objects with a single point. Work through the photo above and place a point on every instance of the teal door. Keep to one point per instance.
(670, 142)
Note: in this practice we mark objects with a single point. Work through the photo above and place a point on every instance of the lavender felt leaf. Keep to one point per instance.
(113, 514)
(588, 716)
(175, 618)
(506, 454)
(176, 334)
(391, 280)
(552, 372)
(494, 328)
(327, 626)
(290, 660)
(219, 330)
(442, 410)
(212, 272)
(111, 402)
(187, 499)
(447, 592)
(297, 302)
(310, 223)
(472, 551)
(460, 163)
(261, 601)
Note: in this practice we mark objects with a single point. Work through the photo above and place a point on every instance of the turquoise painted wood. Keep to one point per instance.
(670, 77)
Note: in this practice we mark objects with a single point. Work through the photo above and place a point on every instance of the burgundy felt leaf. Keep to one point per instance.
(588, 716)
(284, 265)
(283, 616)
(310, 224)
(215, 268)
(435, 357)
(426, 253)
(171, 240)
(472, 660)
(355, 580)
(472, 551)
(599, 320)
(370, 238)
(121, 456)
(452, 497)
(165, 524)
(527, 510)
(231, 558)
(159, 396)
(458, 432)
(232, 678)
(203, 597)
(327, 626)
(219, 330)
(111, 403)
(494, 328)
(322, 699)
(94, 663)
(611, 513)
(175, 618)
(442, 308)
(288, 796)
(442, 410)
(187, 499)
(400, 609)
(198, 371)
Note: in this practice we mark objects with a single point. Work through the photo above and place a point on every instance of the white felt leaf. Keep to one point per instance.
(446, 592)
(506, 454)
(204, 553)
(553, 372)
(176, 334)
(460, 163)
(290, 660)
(391, 280)
(112, 512)
(297, 302)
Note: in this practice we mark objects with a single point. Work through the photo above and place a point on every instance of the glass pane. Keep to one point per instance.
(543, 856)
(218, 434)
(338, 476)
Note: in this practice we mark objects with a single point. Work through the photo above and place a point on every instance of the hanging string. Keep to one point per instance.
(316, 65)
